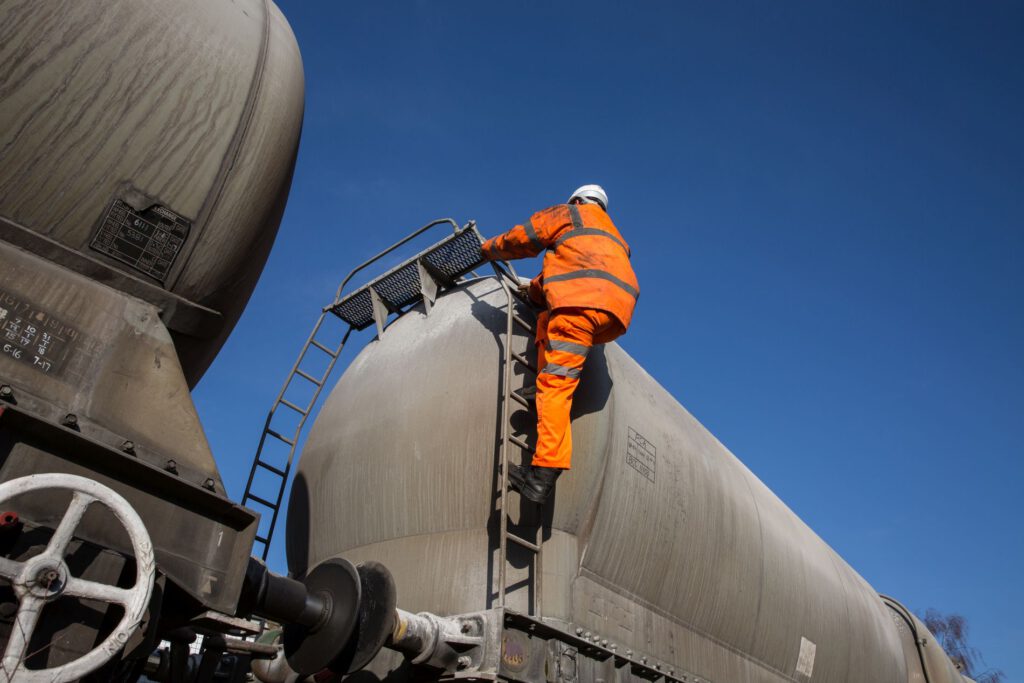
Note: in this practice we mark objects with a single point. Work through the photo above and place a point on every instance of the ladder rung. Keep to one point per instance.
(329, 352)
(273, 469)
(261, 540)
(521, 359)
(520, 400)
(261, 501)
(519, 540)
(294, 407)
(312, 379)
(277, 435)
(519, 442)
(522, 323)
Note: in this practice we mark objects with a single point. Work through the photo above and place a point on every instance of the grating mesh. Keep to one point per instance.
(356, 309)
(399, 287)
(455, 256)
(448, 259)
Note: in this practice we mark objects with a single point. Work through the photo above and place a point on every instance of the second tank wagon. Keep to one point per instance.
(659, 542)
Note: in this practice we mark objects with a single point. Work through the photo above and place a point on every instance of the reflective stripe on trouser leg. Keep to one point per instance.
(561, 362)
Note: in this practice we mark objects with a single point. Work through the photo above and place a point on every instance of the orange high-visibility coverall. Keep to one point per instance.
(590, 291)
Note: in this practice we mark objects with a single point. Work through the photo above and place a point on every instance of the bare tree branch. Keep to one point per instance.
(950, 630)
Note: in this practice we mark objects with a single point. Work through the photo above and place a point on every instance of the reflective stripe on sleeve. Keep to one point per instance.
(574, 216)
(580, 232)
(561, 370)
(592, 272)
(531, 233)
(568, 347)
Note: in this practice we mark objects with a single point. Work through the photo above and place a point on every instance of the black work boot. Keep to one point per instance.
(534, 483)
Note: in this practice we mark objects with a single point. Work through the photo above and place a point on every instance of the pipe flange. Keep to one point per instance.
(311, 650)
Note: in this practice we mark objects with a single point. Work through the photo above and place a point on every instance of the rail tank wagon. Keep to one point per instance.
(662, 555)
(146, 152)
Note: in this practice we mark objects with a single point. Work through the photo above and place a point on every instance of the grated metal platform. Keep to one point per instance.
(420, 277)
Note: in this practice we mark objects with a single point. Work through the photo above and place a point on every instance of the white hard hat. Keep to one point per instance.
(591, 194)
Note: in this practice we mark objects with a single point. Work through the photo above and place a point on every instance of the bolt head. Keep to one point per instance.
(464, 662)
(209, 484)
(579, 632)
(6, 391)
(128, 447)
(70, 420)
(47, 579)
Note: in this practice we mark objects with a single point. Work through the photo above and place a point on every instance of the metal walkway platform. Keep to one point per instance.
(420, 278)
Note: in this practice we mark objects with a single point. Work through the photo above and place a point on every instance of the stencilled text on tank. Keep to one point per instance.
(641, 455)
(34, 337)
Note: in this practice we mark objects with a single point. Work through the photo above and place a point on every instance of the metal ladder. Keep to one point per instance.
(277, 469)
(417, 279)
(509, 440)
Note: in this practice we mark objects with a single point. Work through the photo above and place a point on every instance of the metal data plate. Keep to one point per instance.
(149, 241)
(401, 286)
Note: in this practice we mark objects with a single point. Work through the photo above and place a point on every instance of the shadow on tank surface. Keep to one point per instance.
(297, 540)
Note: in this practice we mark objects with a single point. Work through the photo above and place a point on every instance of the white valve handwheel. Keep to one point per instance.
(45, 578)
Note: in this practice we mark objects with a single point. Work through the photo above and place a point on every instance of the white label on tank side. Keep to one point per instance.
(805, 662)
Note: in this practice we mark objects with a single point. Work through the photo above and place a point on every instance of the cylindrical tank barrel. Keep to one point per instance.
(658, 539)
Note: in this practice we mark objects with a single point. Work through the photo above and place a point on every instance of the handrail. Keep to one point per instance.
(341, 287)
(499, 268)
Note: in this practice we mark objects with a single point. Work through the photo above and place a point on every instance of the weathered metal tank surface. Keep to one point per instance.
(658, 541)
(146, 153)
(149, 145)
(926, 661)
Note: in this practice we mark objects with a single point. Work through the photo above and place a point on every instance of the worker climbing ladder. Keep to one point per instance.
(516, 319)
(420, 278)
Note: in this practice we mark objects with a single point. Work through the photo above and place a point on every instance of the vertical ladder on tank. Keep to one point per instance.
(509, 440)
(418, 279)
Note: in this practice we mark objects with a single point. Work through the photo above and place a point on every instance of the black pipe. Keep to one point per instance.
(280, 599)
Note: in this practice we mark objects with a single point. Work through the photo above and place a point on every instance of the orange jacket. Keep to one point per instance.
(586, 264)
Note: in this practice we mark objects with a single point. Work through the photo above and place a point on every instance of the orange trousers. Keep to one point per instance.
(564, 337)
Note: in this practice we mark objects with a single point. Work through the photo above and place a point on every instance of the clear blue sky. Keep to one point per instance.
(825, 206)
